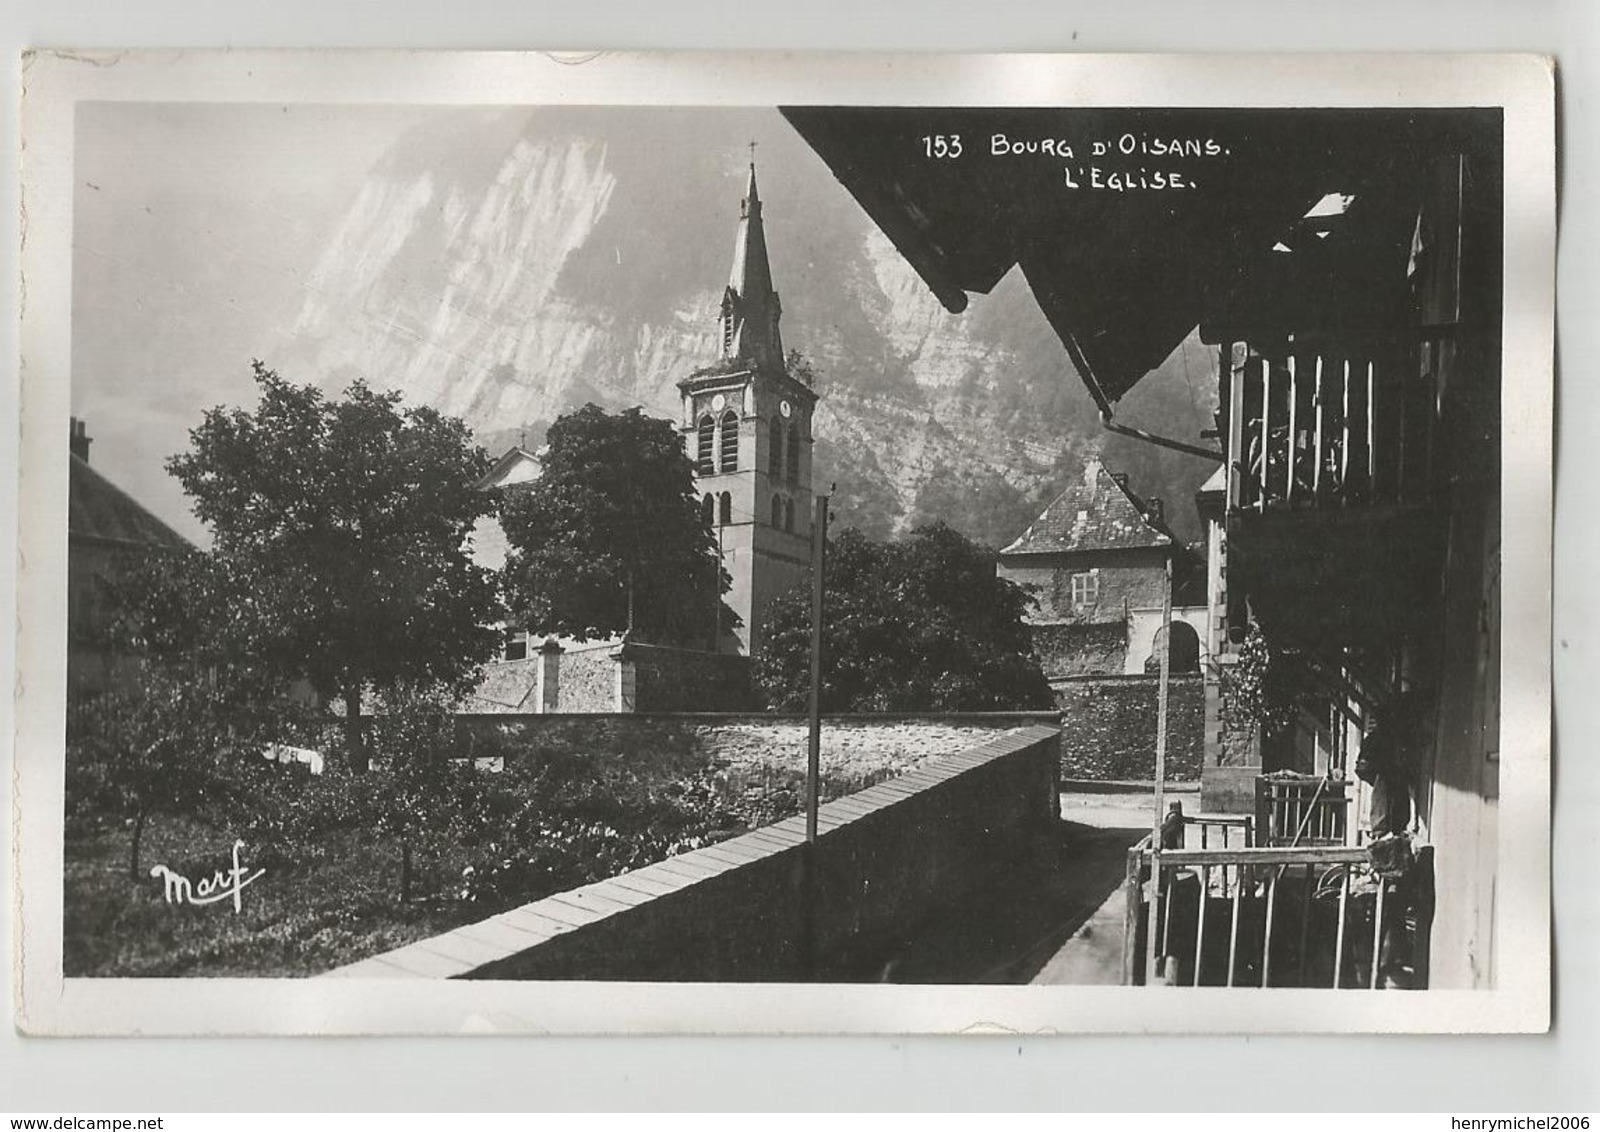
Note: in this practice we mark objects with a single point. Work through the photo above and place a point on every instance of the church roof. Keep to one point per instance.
(750, 302)
(99, 509)
(1097, 512)
(518, 465)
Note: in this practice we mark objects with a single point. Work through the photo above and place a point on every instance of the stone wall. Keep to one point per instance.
(1080, 650)
(886, 859)
(1108, 728)
(1124, 579)
(755, 748)
(587, 679)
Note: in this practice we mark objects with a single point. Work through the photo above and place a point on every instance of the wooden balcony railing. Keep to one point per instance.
(1261, 917)
(1294, 810)
(1320, 426)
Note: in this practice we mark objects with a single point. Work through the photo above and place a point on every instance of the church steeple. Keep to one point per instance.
(750, 307)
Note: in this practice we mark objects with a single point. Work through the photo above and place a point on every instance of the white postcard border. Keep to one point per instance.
(55, 81)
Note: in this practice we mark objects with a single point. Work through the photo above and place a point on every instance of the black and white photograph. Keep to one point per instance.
(669, 543)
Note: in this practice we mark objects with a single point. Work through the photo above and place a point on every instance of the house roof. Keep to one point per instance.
(518, 465)
(1096, 513)
(99, 509)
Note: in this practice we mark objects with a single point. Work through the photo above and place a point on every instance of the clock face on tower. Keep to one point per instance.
(785, 408)
(719, 402)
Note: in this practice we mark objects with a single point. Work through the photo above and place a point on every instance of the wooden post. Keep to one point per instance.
(1133, 894)
(1294, 423)
(1266, 437)
(1160, 769)
(1237, 461)
(1372, 439)
(1316, 445)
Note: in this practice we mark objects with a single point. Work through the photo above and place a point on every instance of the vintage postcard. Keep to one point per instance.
(694, 543)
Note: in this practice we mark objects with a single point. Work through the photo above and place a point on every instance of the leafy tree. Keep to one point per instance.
(920, 624)
(339, 541)
(143, 749)
(611, 535)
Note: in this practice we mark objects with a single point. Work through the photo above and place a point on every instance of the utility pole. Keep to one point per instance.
(819, 553)
(1154, 889)
(809, 885)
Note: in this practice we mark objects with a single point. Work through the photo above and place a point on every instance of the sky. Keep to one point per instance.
(197, 232)
(195, 229)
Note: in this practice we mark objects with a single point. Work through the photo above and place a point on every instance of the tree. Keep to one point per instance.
(920, 624)
(611, 535)
(136, 751)
(340, 535)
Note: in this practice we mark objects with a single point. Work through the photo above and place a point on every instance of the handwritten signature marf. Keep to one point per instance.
(208, 890)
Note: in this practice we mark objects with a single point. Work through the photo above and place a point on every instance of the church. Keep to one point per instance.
(747, 425)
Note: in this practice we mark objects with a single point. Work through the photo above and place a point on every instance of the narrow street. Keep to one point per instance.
(1058, 923)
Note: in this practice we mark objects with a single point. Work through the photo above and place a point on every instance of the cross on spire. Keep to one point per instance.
(752, 144)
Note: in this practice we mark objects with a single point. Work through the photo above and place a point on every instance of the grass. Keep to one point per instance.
(295, 920)
(334, 906)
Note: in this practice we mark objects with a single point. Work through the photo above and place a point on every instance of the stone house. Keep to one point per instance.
(1096, 561)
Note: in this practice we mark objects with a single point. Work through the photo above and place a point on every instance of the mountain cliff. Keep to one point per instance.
(508, 266)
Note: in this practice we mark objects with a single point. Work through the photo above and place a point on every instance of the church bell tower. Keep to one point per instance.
(747, 425)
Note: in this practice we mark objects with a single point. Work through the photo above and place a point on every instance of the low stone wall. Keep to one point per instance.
(885, 859)
(1108, 727)
(587, 679)
(857, 750)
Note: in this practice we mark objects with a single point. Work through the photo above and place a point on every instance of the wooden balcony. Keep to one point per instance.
(1334, 527)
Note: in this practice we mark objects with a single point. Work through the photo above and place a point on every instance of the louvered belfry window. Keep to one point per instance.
(794, 454)
(729, 457)
(705, 453)
(777, 512)
(775, 448)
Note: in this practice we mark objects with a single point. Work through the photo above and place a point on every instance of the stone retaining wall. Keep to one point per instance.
(1108, 727)
(884, 861)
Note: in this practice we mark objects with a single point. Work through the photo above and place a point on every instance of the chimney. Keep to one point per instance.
(1157, 512)
(1121, 478)
(80, 440)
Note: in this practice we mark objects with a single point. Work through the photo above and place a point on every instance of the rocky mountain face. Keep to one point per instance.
(506, 267)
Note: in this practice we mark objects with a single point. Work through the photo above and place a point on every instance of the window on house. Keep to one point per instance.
(793, 465)
(705, 453)
(777, 512)
(775, 448)
(729, 458)
(516, 644)
(1085, 589)
(725, 508)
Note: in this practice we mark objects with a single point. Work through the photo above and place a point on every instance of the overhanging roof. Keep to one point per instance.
(1125, 276)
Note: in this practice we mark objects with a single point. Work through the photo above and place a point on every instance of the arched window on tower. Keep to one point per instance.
(777, 512)
(793, 465)
(775, 448)
(706, 449)
(788, 515)
(725, 508)
(729, 453)
(708, 509)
